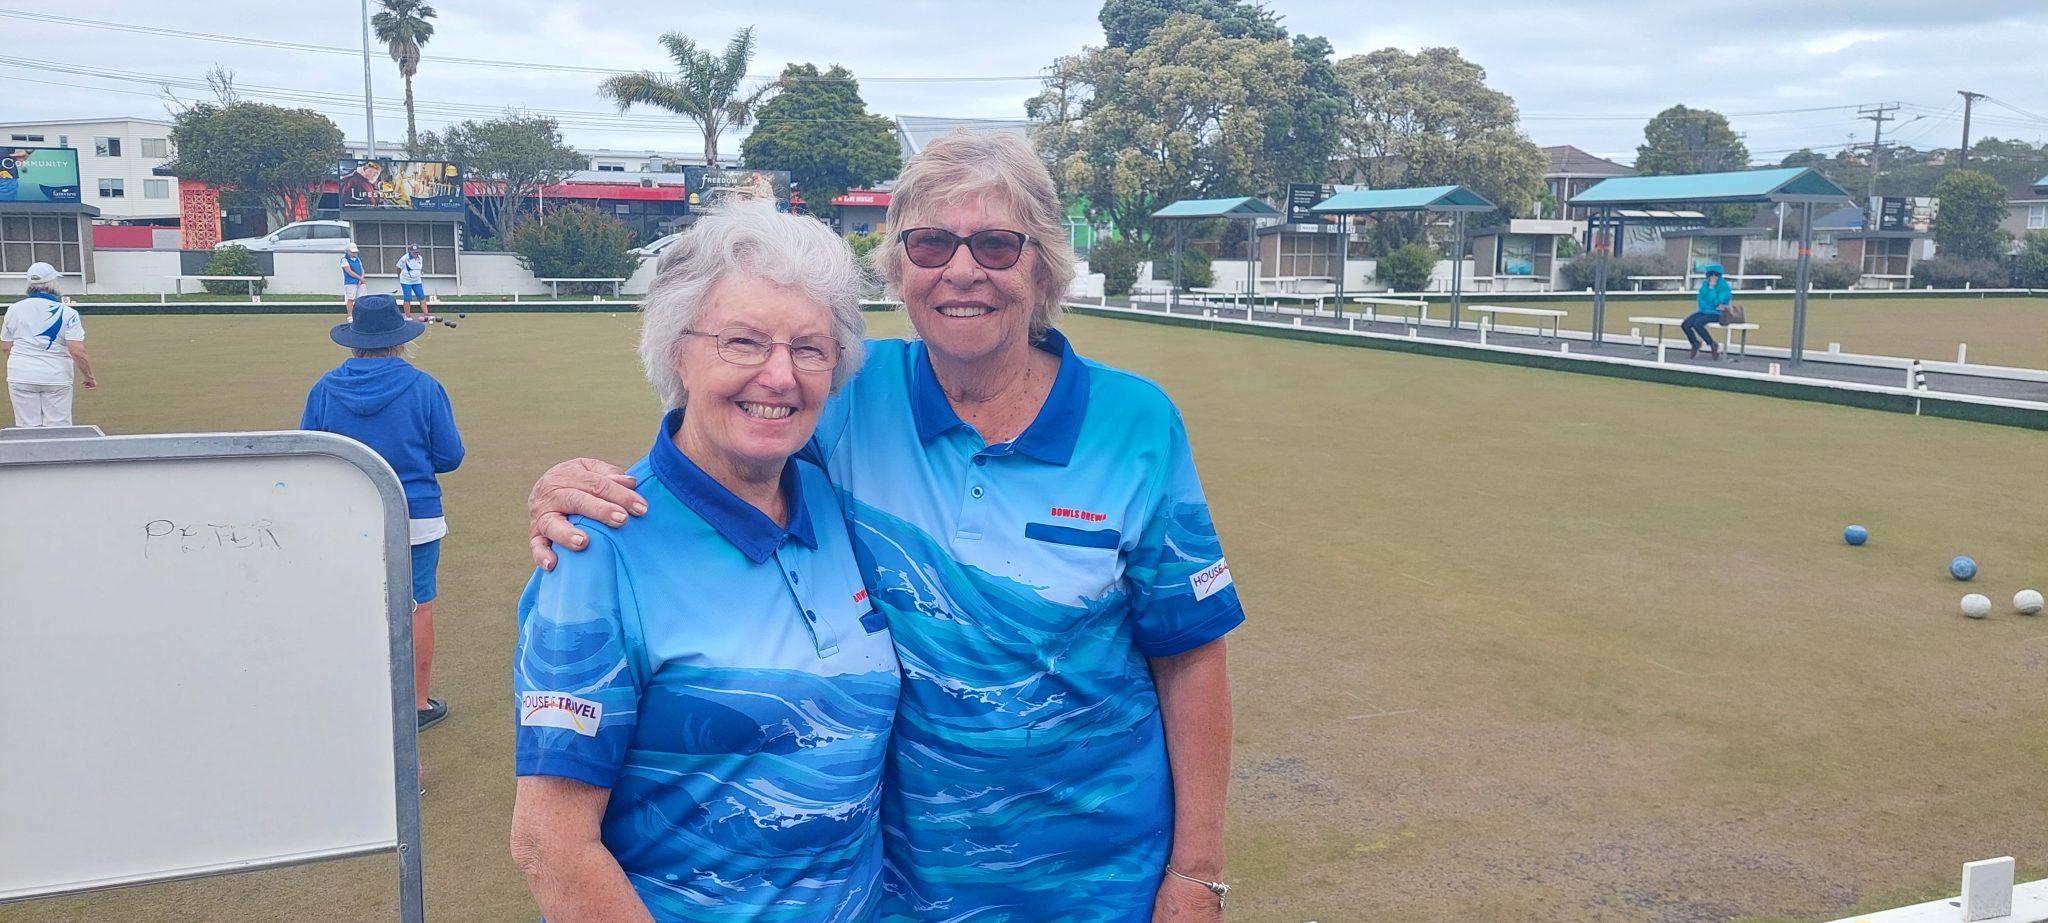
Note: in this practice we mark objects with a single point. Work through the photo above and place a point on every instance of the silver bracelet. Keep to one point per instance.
(1218, 888)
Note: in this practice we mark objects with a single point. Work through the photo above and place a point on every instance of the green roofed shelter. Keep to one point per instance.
(1248, 208)
(1801, 186)
(1458, 201)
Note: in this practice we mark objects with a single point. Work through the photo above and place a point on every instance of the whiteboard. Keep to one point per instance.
(205, 659)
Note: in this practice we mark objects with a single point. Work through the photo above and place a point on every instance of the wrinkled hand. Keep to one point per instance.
(91, 383)
(580, 487)
(1183, 901)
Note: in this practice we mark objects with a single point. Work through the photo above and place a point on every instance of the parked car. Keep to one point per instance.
(655, 246)
(297, 237)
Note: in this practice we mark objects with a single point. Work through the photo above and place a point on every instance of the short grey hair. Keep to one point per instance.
(401, 351)
(44, 288)
(751, 240)
(963, 166)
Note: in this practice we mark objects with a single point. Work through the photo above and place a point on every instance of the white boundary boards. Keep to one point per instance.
(205, 660)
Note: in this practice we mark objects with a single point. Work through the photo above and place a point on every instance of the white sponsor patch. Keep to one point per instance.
(560, 710)
(1210, 580)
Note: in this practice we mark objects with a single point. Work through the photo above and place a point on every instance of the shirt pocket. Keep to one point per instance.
(1071, 564)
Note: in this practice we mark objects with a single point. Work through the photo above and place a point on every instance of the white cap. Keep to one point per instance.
(42, 273)
(351, 246)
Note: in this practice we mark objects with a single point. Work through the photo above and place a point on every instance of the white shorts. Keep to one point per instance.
(40, 405)
(351, 292)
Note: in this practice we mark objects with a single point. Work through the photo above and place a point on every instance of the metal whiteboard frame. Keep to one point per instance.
(86, 444)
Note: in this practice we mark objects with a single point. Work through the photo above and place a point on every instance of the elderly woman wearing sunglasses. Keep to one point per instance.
(1032, 525)
(705, 693)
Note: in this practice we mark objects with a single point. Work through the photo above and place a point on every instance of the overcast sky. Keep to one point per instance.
(1587, 73)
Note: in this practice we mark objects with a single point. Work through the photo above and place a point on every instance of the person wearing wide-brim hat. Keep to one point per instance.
(379, 399)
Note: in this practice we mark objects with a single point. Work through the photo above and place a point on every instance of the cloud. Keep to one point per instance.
(1588, 73)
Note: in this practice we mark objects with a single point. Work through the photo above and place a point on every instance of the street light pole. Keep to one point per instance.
(369, 105)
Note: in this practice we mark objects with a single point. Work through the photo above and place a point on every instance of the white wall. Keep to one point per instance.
(494, 274)
(134, 272)
(309, 274)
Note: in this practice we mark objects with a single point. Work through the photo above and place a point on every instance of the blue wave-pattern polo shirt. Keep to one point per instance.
(730, 681)
(1026, 584)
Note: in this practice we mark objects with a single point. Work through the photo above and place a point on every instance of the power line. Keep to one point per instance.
(467, 62)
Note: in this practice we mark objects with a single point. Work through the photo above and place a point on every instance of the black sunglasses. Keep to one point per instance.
(994, 249)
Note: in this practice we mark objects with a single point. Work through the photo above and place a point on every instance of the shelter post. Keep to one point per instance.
(1457, 265)
(1801, 282)
(1179, 241)
(1601, 231)
(1251, 263)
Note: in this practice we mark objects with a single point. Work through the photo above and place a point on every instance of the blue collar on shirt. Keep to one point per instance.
(46, 295)
(747, 528)
(1051, 436)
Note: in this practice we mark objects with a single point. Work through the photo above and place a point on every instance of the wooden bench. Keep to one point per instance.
(1489, 313)
(1663, 322)
(1413, 311)
(178, 283)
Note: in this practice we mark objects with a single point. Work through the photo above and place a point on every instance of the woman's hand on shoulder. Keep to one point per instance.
(577, 487)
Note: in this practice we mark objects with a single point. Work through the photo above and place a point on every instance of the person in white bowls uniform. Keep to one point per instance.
(411, 286)
(44, 342)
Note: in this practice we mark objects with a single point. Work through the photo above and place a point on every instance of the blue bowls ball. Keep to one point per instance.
(1962, 568)
(1855, 535)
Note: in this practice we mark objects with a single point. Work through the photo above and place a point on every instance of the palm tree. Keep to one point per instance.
(705, 89)
(403, 26)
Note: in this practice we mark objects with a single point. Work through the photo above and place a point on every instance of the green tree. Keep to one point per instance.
(233, 261)
(1181, 116)
(706, 88)
(1972, 203)
(403, 26)
(819, 130)
(1127, 24)
(1682, 140)
(576, 242)
(2030, 266)
(280, 155)
(1429, 119)
(511, 159)
(1301, 138)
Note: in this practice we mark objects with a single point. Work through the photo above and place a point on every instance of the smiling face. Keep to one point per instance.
(963, 311)
(747, 420)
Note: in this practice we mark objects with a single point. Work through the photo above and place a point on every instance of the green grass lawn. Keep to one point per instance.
(1522, 645)
(1999, 331)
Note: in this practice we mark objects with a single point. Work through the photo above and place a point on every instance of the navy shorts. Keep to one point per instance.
(413, 291)
(426, 559)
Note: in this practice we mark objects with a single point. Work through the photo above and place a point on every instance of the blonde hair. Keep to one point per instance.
(748, 238)
(964, 166)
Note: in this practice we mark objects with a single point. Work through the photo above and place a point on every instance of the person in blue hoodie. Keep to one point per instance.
(379, 399)
(1714, 295)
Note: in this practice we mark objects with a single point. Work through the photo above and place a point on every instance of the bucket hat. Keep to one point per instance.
(378, 324)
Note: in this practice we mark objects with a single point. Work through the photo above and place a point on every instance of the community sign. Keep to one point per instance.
(39, 174)
(412, 185)
(710, 185)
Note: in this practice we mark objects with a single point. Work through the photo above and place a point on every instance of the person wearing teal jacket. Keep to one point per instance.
(1714, 295)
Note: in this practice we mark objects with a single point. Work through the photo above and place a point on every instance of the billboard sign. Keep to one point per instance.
(39, 174)
(1303, 196)
(408, 185)
(708, 185)
(1902, 213)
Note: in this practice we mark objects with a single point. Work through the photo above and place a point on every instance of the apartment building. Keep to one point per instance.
(116, 158)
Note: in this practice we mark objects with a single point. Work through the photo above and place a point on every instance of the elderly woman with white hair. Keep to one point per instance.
(705, 693)
(1032, 526)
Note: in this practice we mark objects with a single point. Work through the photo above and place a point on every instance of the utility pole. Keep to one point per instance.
(1963, 154)
(1878, 114)
(369, 107)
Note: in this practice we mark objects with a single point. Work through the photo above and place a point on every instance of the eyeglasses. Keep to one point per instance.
(749, 347)
(932, 248)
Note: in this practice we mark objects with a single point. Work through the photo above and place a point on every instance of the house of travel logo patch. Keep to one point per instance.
(1211, 580)
(560, 710)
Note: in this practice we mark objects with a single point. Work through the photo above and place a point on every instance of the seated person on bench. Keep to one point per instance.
(1714, 295)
